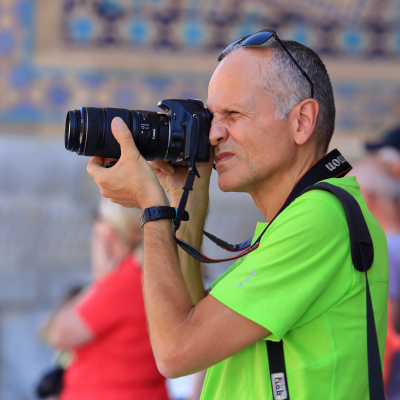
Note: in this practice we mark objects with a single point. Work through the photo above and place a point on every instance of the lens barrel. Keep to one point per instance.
(88, 132)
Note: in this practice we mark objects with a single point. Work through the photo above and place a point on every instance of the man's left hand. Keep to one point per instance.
(131, 182)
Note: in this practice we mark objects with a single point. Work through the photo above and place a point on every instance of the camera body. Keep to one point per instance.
(189, 128)
(177, 136)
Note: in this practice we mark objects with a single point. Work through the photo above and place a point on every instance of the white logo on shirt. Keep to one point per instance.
(247, 279)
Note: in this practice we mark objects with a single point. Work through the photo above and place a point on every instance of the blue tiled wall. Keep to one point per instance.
(40, 93)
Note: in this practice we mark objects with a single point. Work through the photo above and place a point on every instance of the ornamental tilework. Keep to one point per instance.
(65, 54)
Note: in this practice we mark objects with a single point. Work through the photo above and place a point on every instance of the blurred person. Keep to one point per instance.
(391, 364)
(381, 192)
(386, 151)
(49, 384)
(105, 326)
(271, 128)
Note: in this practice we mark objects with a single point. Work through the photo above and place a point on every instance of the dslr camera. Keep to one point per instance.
(180, 135)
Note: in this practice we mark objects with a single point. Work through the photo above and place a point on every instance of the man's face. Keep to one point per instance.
(252, 146)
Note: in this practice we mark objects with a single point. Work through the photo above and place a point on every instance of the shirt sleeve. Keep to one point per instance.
(112, 300)
(302, 267)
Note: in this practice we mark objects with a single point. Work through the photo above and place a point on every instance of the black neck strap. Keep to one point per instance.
(332, 165)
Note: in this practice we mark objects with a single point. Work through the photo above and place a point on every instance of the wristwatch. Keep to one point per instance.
(161, 212)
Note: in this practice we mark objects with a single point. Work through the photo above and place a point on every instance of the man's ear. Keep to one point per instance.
(305, 115)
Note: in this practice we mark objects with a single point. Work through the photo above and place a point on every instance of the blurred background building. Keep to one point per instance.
(65, 54)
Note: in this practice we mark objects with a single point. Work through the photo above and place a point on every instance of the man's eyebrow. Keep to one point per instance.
(229, 108)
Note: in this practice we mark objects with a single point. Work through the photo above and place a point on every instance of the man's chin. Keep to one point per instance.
(226, 184)
(223, 183)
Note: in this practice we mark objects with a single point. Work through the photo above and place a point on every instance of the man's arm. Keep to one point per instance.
(186, 338)
(190, 231)
(187, 335)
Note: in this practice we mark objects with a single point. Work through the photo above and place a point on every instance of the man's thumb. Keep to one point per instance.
(123, 135)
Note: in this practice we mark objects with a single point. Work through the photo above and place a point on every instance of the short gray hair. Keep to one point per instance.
(286, 84)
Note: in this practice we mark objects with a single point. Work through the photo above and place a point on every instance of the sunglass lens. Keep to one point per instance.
(257, 39)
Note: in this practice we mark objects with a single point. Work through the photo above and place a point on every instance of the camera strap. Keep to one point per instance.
(362, 255)
(332, 165)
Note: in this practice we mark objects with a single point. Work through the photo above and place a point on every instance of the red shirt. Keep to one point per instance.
(119, 363)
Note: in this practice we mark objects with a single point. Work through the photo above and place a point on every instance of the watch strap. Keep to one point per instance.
(160, 212)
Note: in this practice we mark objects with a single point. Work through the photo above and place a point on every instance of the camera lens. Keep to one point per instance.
(88, 132)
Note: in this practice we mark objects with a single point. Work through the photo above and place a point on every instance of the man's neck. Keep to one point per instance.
(269, 196)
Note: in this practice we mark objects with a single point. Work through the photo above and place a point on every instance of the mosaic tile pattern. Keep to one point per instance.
(59, 55)
(346, 28)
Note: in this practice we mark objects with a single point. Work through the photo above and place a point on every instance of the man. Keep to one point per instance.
(269, 127)
(105, 326)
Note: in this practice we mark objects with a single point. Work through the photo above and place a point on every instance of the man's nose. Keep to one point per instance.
(218, 133)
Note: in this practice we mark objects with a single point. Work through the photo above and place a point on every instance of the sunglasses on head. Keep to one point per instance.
(258, 39)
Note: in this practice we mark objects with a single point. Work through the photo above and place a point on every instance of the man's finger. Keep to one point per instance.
(95, 165)
(163, 166)
(124, 137)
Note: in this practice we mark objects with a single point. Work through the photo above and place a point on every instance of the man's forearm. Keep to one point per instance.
(167, 300)
(192, 232)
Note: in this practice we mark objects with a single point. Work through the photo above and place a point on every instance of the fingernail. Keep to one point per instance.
(118, 122)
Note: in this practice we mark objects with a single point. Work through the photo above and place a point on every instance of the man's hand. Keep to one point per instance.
(131, 182)
(173, 178)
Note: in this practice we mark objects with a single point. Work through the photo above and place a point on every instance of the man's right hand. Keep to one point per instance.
(173, 178)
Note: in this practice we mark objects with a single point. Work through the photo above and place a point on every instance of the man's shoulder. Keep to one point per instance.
(313, 208)
(347, 183)
(315, 218)
(321, 207)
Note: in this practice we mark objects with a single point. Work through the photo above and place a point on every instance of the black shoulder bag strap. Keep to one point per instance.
(362, 253)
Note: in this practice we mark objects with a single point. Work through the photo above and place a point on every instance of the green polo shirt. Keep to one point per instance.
(301, 285)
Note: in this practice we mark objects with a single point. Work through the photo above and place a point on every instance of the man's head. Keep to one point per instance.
(263, 112)
(289, 84)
